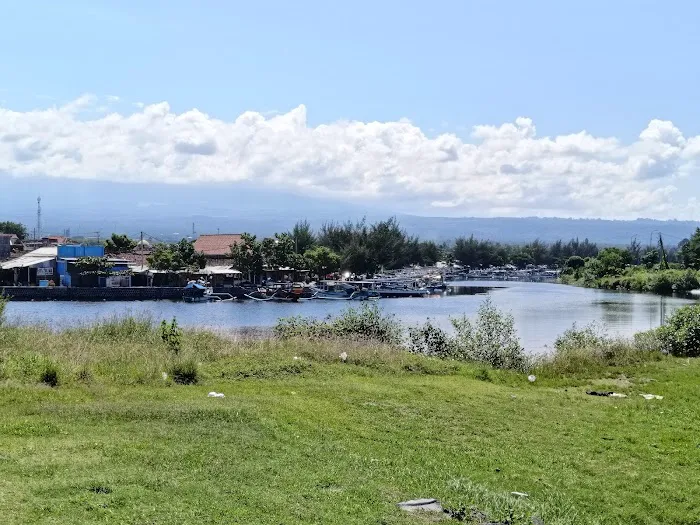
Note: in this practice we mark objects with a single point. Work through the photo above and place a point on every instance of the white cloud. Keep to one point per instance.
(504, 170)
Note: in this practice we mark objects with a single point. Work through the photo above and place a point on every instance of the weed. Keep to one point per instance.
(171, 335)
(49, 375)
(366, 323)
(184, 372)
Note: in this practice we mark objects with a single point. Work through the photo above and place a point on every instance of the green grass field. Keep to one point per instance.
(315, 440)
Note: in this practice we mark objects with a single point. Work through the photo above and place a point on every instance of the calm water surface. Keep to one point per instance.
(542, 311)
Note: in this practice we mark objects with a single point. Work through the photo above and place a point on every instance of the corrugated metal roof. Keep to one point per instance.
(35, 257)
(217, 270)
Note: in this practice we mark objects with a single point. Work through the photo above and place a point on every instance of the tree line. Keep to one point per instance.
(358, 247)
(363, 248)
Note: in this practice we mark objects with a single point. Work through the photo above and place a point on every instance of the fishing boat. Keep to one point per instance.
(282, 292)
(344, 292)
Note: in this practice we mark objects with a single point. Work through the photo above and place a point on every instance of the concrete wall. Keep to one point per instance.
(58, 293)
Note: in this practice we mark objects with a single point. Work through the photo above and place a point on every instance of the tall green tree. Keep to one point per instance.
(322, 260)
(15, 228)
(690, 251)
(176, 256)
(303, 236)
(247, 256)
(613, 261)
(119, 244)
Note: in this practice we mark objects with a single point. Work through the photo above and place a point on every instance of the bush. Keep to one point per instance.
(171, 335)
(580, 350)
(490, 339)
(49, 375)
(184, 372)
(430, 340)
(366, 323)
(680, 336)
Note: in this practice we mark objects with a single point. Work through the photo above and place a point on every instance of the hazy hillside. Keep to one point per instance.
(168, 211)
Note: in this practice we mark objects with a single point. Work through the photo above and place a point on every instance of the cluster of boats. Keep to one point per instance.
(325, 290)
(344, 291)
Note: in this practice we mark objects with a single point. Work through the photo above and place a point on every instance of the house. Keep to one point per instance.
(217, 247)
(118, 273)
(30, 268)
(54, 240)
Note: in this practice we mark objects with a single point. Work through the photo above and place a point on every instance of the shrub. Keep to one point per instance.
(491, 338)
(680, 336)
(430, 340)
(49, 375)
(366, 323)
(184, 372)
(171, 335)
(580, 350)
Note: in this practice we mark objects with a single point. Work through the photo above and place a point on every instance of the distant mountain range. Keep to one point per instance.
(167, 212)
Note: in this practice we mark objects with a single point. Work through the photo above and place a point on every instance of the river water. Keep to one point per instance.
(542, 311)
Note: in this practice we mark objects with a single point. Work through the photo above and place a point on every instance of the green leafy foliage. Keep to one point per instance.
(49, 375)
(680, 336)
(430, 340)
(15, 228)
(94, 265)
(171, 335)
(322, 260)
(175, 257)
(690, 251)
(184, 372)
(247, 256)
(613, 261)
(590, 349)
(303, 236)
(490, 338)
(365, 323)
(119, 244)
(650, 258)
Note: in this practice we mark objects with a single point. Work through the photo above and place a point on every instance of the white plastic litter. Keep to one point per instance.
(617, 394)
(520, 494)
(422, 504)
(296, 358)
(343, 356)
(215, 394)
(651, 396)
(165, 376)
(532, 378)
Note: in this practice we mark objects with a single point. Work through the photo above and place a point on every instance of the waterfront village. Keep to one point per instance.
(56, 267)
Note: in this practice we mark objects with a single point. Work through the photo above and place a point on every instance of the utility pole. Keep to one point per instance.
(141, 247)
(664, 260)
(38, 216)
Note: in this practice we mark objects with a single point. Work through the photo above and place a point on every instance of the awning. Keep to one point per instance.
(217, 270)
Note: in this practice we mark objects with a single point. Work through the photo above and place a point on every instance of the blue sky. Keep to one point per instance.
(608, 68)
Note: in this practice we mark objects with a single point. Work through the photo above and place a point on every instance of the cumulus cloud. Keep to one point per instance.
(504, 169)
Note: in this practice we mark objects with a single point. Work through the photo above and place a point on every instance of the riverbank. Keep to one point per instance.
(302, 436)
(638, 279)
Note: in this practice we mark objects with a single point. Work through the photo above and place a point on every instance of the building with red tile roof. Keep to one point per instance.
(216, 247)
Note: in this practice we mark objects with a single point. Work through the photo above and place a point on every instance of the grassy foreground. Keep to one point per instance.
(302, 437)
